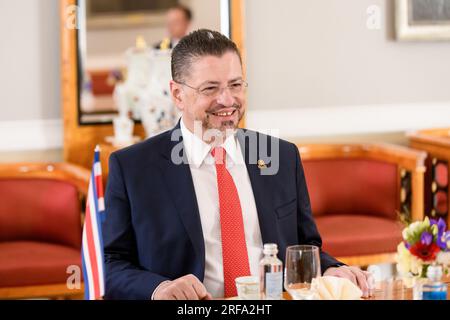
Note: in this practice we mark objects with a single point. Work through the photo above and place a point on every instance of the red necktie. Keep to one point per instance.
(234, 248)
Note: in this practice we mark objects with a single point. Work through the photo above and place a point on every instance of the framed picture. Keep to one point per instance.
(422, 20)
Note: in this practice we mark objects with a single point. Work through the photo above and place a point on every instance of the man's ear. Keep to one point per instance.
(176, 92)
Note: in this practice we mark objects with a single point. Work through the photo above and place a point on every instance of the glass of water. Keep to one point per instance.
(302, 265)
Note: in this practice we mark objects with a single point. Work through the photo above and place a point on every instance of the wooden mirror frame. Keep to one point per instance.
(80, 139)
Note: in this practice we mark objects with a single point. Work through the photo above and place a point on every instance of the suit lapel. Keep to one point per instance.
(261, 186)
(181, 187)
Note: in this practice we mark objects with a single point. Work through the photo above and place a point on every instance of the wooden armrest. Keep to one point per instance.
(405, 157)
(438, 137)
(72, 173)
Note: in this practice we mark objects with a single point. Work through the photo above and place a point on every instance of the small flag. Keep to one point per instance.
(92, 242)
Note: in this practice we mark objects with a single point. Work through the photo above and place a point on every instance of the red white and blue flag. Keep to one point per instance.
(92, 242)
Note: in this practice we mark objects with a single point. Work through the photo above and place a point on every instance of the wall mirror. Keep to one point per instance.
(108, 33)
(96, 38)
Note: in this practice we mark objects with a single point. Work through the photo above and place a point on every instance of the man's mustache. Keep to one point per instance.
(235, 106)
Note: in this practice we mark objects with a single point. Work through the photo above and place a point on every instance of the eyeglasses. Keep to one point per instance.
(211, 90)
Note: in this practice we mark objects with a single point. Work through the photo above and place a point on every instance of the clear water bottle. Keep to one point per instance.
(434, 288)
(271, 274)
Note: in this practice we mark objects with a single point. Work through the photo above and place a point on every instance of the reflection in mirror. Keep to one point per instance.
(124, 52)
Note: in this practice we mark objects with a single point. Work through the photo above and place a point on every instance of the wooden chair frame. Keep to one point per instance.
(405, 159)
(74, 174)
(436, 142)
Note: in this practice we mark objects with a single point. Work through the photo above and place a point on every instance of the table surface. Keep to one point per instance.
(391, 290)
(388, 290)
(396, 290)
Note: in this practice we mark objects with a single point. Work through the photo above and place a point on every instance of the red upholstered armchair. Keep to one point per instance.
(357, 194)
(40, 228)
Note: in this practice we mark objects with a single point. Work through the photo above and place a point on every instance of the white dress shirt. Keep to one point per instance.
(203, 171)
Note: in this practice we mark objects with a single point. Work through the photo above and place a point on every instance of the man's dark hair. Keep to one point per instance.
(197, 44)
(187, 12)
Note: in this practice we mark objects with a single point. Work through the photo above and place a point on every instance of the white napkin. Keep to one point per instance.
(334, 288)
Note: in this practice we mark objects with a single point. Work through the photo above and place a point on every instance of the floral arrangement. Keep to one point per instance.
(424, 243)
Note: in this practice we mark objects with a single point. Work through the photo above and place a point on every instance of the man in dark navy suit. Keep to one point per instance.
(189, 210)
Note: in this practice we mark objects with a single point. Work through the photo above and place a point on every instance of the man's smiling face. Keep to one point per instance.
(212, 92)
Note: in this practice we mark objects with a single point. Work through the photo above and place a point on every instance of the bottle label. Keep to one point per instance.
(274, 285)
(434, 292)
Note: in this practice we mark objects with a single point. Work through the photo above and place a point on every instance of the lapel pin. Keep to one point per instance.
(261, 164)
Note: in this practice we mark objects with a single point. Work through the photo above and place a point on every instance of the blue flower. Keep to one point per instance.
(426, 238)
(446, 240)
(441, 226)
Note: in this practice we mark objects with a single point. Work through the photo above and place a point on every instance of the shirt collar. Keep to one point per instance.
(197, 150)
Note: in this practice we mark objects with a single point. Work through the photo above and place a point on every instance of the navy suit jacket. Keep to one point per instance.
(152, 231)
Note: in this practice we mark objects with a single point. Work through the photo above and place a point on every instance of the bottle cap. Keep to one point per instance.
(270, 248)
(434, 272)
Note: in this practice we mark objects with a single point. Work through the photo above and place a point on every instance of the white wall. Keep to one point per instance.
(314, 69)
(29, 60)
(30, 112)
